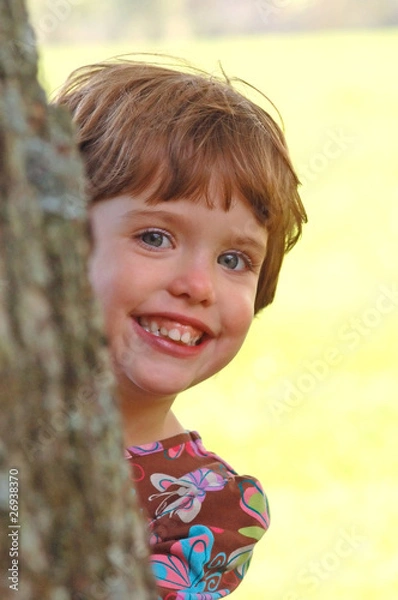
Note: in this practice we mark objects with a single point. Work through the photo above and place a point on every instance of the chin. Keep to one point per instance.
(160, 389)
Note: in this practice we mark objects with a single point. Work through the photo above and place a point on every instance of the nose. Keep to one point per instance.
(195, 281)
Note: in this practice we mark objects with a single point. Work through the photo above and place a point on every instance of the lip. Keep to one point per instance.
(167, 345)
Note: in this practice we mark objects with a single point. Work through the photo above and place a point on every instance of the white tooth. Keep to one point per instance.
(164, 331)
(154, 327)
(175, 335)
(143, 322)
(186, 337)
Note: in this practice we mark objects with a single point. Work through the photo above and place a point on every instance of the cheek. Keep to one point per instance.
(99, 280)
(241, 316)
(246, 320)
(98, 271)
(106, 283)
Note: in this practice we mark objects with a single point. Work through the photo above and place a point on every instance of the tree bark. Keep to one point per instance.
(69, 525)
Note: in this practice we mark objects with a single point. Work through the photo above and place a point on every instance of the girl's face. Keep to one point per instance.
(177, 283)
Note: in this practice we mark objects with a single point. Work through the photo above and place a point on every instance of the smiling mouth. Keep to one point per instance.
(186, 335)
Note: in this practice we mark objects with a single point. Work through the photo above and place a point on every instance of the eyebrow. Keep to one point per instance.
(239, 240)
(138, 213)
(253, 242)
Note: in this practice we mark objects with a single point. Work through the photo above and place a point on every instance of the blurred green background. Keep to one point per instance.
(310, 404)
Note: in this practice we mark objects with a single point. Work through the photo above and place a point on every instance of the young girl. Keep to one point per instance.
(193, 203)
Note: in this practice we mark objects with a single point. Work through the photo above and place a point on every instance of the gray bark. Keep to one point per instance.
(75, 532)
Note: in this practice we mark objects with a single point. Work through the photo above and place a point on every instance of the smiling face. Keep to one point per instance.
(177, 284)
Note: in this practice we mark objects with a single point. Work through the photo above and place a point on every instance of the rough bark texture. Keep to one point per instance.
(75, 533)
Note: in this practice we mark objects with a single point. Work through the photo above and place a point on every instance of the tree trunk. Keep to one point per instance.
(69, 525)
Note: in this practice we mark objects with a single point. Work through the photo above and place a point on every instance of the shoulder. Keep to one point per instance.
(180, 478)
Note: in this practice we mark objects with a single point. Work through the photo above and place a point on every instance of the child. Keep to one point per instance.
(193, 203)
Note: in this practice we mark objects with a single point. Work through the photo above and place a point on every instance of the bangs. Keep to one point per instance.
(195, 164)
(203, 157)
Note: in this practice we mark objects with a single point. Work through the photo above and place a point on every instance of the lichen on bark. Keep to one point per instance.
(81, 536)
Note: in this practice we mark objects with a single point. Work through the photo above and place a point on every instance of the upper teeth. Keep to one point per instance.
(174, 334)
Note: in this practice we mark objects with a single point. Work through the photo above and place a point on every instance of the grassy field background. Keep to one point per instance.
(310, 404)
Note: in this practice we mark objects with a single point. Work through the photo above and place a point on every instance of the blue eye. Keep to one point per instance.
(155, 239)
(234, 261)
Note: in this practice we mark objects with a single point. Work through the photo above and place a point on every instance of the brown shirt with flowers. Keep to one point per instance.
(204, 519)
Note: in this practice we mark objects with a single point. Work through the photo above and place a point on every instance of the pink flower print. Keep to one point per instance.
(175, 451)
(184, 568)
(184, 496)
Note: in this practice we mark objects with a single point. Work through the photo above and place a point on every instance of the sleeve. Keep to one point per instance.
(208, 558)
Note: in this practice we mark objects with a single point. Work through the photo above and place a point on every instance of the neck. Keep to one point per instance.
(146, 419)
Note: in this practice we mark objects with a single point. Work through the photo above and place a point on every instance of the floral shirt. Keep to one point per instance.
(204, 519)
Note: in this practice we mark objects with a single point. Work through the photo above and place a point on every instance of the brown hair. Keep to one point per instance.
(146, 126)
